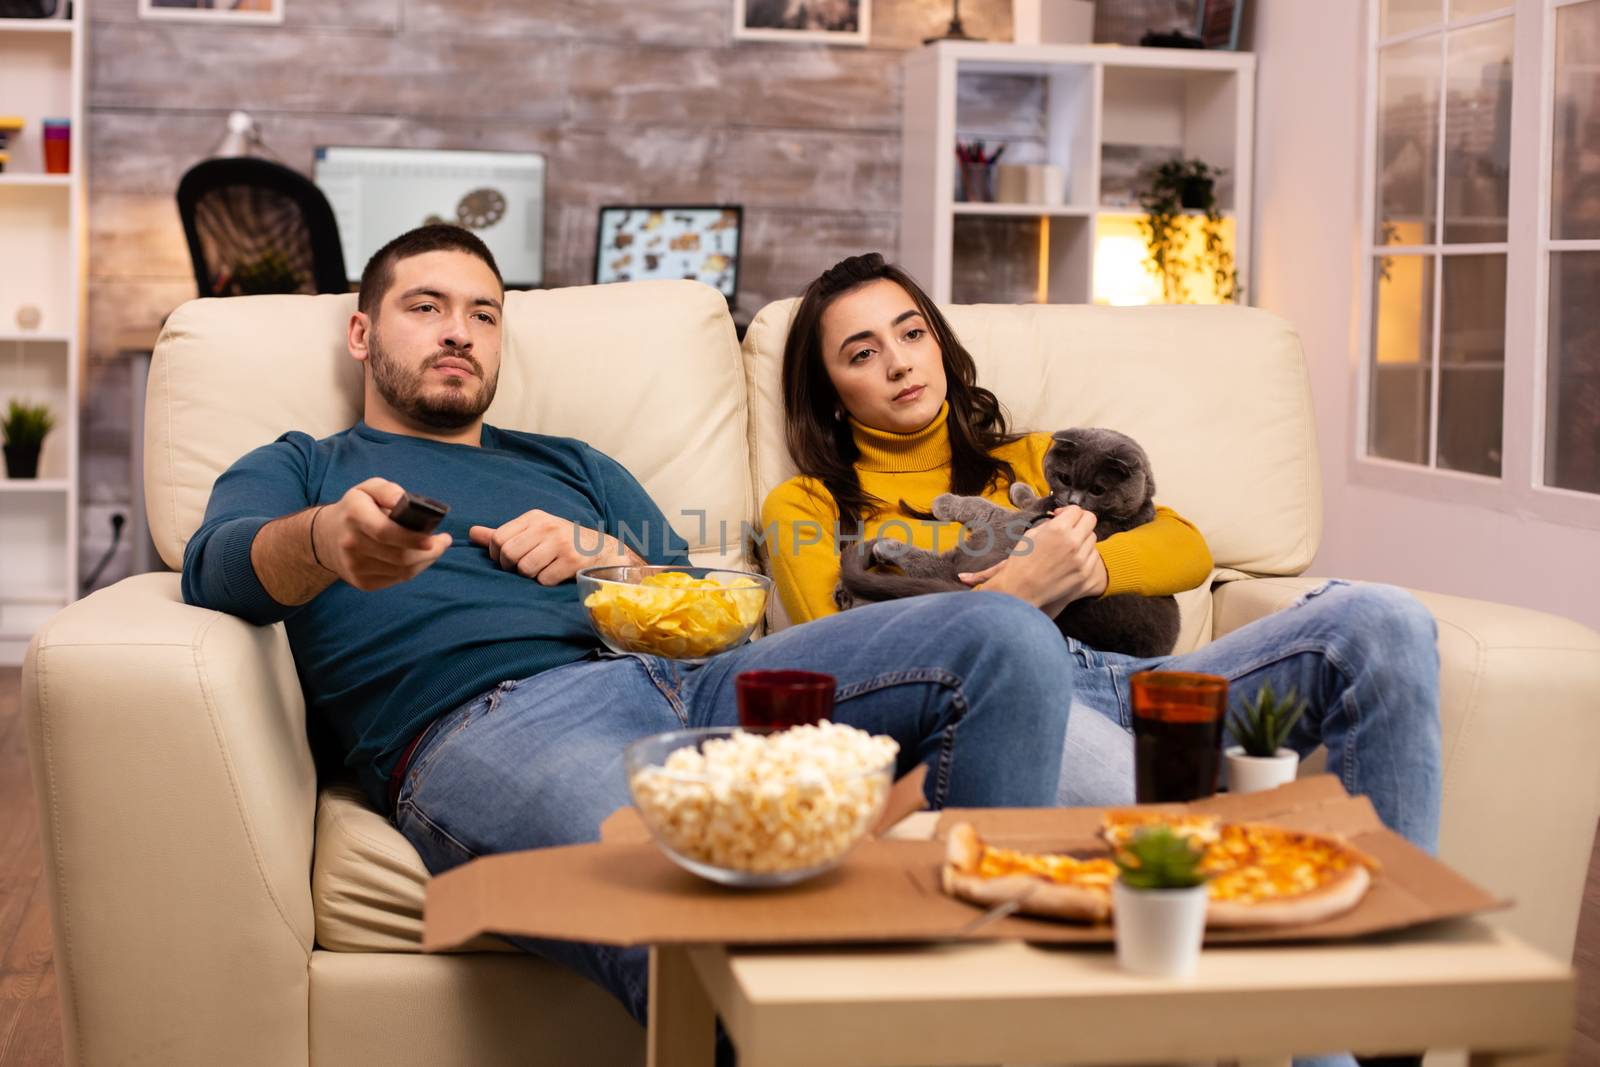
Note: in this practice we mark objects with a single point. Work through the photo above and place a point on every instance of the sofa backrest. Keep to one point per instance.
(1218, 396)
(647, 372)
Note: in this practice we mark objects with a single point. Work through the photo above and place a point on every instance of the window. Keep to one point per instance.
(1481, 362)
(1436, 369)
(1572, 375)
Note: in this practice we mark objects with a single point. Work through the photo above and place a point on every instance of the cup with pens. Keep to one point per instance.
(976, 185)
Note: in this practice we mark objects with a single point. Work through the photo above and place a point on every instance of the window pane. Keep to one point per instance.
(1402, 16)
(1572, 404)
(1408, 142)
(1472, 350)
(1477, 133)
(1402, 358)
(1575, 184)
(1465, 9)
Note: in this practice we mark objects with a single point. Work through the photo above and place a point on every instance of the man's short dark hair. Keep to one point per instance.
(438, 237)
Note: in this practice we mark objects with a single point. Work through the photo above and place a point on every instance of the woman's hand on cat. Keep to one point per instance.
(1059, 566)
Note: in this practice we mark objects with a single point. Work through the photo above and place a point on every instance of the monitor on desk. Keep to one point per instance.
(379, 193)
(699, 242)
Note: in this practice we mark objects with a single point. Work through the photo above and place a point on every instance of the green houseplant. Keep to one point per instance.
(24, 429)
(1261, 725)
(1166, 191)
(1159, 901)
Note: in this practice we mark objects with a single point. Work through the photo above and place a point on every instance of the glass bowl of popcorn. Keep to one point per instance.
(687, 613)
(760, 808)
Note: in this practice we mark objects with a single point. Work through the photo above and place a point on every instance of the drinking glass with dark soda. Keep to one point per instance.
(781, 699)
(1177, 733)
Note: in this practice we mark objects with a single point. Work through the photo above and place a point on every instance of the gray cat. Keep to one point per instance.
(1099, 470)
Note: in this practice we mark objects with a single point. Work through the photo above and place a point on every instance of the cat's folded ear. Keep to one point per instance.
(1065, 438)
(1120, 465)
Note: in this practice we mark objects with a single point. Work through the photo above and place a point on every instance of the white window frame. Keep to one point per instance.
(1519, 488)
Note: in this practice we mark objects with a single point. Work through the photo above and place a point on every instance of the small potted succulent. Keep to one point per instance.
(1261, 725)
(1159, 904)
(24, 428)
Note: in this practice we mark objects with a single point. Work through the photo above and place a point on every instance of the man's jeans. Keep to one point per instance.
(976, 685)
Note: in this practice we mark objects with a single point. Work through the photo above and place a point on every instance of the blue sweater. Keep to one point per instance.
(378, 667)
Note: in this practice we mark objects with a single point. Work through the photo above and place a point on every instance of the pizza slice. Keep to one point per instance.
(1269, 876)
(1118, 827)
(1055, 886)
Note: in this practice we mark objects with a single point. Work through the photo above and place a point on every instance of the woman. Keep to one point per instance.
(884, 413)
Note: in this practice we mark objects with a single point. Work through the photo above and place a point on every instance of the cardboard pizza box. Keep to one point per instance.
(623, 891)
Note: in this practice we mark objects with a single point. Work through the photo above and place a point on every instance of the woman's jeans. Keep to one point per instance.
(1364, 656)
(978, 686)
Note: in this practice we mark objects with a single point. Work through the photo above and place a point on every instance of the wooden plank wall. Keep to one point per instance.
(629, 100)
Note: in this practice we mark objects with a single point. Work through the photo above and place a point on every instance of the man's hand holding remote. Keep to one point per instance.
(357, 540)
(354, 539)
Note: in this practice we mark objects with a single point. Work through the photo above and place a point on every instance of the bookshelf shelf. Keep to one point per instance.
(1097, 114)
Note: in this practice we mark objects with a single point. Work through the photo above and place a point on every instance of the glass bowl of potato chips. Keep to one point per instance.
(687, 613)
(760, 808)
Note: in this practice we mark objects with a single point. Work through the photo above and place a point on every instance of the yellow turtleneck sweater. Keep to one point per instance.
(799, 517)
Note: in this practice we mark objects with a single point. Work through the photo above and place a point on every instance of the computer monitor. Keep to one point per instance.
(696, 241)
(379, 193)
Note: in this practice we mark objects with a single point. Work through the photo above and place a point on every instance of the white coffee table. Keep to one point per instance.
(1460, 985)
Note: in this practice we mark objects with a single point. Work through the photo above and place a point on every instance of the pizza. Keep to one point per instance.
(1258, 875)
(1118, 827)
(1058, 887)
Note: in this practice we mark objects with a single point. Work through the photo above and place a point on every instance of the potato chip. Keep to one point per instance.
(675, 614)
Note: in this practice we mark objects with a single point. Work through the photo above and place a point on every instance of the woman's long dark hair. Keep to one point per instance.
(823, 446)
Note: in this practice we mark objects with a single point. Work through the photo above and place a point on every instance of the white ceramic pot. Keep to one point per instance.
(1252, 774)
(1159, 930)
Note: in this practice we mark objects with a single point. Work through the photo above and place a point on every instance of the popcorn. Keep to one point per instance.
(674, 614)
(765, 803)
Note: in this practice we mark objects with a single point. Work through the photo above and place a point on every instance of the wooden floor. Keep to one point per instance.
(30, 1017)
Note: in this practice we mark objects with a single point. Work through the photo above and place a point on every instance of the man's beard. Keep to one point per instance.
(402, 389)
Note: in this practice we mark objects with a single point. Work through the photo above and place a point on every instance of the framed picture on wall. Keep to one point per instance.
(239, 11)
(829, 21)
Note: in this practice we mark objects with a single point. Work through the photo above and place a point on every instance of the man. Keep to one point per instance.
(457, 671)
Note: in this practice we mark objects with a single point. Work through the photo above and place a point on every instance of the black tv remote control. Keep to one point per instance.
(419, 513)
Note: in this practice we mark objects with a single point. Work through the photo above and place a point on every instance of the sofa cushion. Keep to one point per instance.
(367, 881)
(647, 372)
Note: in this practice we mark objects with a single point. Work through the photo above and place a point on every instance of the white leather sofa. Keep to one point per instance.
(215, 904)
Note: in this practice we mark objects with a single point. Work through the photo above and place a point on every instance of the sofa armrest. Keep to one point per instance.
(1520, 710)
(177, 799)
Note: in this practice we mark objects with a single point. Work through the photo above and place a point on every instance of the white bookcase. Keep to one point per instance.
(1064, 105)
(43, 238)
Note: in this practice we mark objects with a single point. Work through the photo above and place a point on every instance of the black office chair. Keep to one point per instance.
(255, 226)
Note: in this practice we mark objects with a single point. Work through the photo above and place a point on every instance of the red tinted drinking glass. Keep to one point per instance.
(781, 699)
(1177, 735)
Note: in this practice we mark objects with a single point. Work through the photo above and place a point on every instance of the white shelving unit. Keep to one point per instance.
(1070, 102)
(43, 221)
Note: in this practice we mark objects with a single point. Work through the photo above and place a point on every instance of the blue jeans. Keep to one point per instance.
(973, 685)
(976, 685)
